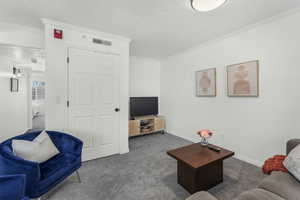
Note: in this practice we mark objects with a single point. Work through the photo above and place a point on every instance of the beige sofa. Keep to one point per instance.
(277, 186)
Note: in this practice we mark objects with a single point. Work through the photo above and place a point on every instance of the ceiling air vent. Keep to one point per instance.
(103, 42)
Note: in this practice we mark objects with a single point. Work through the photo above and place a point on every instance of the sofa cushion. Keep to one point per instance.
(291, 145)
(50, 167)
(282, 184)
(201, 196)
(258, 194)
(51, 176)
(39, 150)
(292, 162)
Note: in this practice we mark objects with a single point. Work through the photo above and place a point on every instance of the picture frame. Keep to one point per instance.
(243, 79)
(206, 83)
(14, 85)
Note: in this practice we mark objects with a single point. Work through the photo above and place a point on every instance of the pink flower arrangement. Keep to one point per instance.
(205, 135)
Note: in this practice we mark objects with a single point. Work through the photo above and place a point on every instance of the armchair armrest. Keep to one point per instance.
(201, 196)
(14, 165)
(12, 187)
(291, 144)
(66, 143)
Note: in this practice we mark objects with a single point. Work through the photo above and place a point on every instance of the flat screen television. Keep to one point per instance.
(142, 106)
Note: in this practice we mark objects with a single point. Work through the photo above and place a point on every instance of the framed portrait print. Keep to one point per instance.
(14, 85)
(206, 83)
(243, 79)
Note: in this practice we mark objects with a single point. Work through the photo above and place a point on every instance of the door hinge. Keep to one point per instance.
(68, 103)
(68, 59)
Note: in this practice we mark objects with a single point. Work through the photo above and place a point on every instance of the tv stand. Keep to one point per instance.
(145, 125)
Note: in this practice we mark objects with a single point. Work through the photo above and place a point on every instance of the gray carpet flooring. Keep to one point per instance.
(147, 173)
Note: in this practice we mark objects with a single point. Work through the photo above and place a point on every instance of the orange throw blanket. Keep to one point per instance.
(274, 164)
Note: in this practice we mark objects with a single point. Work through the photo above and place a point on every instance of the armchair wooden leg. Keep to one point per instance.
(78, 177)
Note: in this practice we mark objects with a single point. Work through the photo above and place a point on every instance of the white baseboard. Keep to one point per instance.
(124, 151)
(183, 137)
(249, 160)
(237, 155)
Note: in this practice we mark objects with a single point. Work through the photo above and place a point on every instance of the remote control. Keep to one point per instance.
(216, 149)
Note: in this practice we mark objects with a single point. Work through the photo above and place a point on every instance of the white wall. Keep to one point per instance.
(13, 106)
(56, 72)
(255, 128)
(144, 77)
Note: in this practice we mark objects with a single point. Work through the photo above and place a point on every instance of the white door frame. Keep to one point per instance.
(68, 86)
(29, 98)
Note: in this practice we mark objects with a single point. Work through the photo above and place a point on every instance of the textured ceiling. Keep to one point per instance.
(158, 28)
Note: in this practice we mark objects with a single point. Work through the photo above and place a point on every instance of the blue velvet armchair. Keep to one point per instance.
(42, 177)
(12, 187)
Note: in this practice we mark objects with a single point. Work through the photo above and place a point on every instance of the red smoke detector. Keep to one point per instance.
(58, 34)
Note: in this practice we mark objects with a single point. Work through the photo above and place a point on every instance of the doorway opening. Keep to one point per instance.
(22, 88)
(38, 101)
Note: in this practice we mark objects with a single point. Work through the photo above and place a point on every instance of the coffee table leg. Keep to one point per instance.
(209, 176)
(203, 178)
(186, 176)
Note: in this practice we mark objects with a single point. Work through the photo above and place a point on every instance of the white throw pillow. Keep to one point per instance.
(292, 162)
(39, 150)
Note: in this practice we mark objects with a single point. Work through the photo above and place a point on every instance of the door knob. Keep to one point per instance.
(117, 109)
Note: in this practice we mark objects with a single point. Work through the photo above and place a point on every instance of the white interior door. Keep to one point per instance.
(93, 97)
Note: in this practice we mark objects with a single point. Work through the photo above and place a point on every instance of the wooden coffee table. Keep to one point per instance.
(199, 168)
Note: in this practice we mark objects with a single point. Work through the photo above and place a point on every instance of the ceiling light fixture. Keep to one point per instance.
(206, 5)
